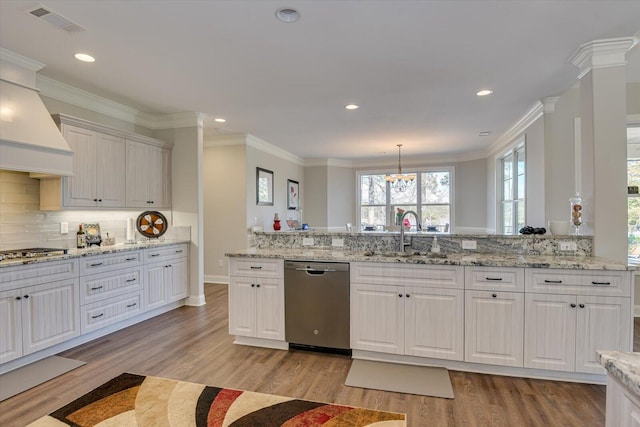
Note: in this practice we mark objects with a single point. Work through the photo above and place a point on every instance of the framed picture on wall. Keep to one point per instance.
(264, 187)
(293, 194)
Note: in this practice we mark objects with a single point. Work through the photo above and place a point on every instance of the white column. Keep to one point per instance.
(603, 163)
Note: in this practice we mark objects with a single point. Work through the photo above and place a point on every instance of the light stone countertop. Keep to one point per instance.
(92, 251)
(624, 366)
(470, 259)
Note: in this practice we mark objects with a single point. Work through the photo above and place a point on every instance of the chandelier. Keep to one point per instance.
(400, 181)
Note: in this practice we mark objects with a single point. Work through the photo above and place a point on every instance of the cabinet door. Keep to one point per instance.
(177, 285)
(110, 170)
(550, 332)
(155, 178)
(242, 306)
(269, 308)
(602, 324)
(434, 325)
(80, 189)
(155, 288)
(377, 318)
(10, 326)
(50, 314)
(494, 327)
(137, 175)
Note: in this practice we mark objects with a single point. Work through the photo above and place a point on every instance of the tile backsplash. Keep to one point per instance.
(23, 224)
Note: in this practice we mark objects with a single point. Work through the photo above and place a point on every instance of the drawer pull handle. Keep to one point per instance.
(95, 264)
(131, 259)
(95, 288)
(154, 255)
(99, 315)
(131, 280)
(179, 251)
(573, 306)
(553, 281)
(601, 283)
(132, 305)
(253, 267)
(494, 295)
(497, 279)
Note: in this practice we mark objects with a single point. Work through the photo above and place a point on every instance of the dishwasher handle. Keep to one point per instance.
(315, 271)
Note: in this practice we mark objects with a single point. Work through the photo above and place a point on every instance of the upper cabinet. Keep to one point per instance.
(112, 169)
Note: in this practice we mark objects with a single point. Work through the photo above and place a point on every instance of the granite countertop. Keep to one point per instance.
(624, 366)
(468, 259)
(92, 251)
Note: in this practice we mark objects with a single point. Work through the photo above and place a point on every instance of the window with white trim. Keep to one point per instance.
(512, 179)
(430, 196)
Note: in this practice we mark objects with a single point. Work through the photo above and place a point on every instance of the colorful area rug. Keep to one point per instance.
(134, 400)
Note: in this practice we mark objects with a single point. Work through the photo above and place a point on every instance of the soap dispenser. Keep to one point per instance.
(435, 248)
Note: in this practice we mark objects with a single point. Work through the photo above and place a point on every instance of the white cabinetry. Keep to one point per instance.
(571, 316)
(166, 275)
(494, 316)
(39, 307)
(148, 169)
(110, 289)
(256, 298)
(623, 406)
(409, 310)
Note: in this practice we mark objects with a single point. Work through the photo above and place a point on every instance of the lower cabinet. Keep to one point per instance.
(494, 327)
(256, 307)
(37, 317)
(563, 332)
(407, 320)
(166, 278)
(623, 405)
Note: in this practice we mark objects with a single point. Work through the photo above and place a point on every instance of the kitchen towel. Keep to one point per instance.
(131, 230)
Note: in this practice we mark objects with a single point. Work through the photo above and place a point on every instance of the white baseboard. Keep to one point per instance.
(214, 278)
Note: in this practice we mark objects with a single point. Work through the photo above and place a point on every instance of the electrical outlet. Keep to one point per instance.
(339, 243)
(64, 228)
(469, 244)
(568, 246)
(307, 241)
(220, 263)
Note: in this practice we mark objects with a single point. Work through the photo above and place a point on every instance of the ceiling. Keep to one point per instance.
(414, 67)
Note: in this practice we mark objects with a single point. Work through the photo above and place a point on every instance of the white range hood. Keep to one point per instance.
(29, 139)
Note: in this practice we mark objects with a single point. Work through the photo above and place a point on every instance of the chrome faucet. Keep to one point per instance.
(418, 228)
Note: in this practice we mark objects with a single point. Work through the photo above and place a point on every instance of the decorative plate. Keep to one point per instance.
(151, 224)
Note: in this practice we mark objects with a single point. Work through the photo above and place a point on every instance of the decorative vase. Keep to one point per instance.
(276, 224)
(576, 212)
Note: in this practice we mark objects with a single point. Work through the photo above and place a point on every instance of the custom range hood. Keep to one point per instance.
(29, 139)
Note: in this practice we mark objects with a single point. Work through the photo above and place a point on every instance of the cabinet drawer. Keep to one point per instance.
(256, 267)
(106, 285)
(494, 278)
(100, 314)
(165, 252)
(45, 272)
(432, 276)
(104, 263)
(589, 282)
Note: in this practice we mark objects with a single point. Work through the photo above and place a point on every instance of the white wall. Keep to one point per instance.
(535, 174)
(341, 196)
(316, 204)
(470, 196)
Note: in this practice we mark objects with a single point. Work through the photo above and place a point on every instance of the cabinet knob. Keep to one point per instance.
(573, 306)
(18, 298)
(95, 200)
(253, 285)
(26, 297)
(400, 295)
(258, 285)
(581, 305)
(99, 200)
(494, 295)
(407, 295)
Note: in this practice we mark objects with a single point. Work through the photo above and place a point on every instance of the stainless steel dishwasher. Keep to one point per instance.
(317, 305)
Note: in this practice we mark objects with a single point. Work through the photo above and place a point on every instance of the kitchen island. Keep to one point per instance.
(623, 387)
(532, 313)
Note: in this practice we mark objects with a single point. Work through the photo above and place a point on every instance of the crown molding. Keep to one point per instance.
(226, 140)
(549, 104)
(259, 144)
(534, 113)
(338, 163)
(23, 61)
(602, 54)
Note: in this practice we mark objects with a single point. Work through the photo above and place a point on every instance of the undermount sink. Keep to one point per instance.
(406, 254)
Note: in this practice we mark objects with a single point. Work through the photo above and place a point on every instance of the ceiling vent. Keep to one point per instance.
(55, 19)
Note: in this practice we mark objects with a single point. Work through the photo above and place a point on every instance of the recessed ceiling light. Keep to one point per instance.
(84, 57)
(485, 133)
(219, 120)
(352, 107)
(484, 92)
(287, 15)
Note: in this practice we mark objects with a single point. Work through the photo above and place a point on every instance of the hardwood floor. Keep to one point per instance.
(192, 344)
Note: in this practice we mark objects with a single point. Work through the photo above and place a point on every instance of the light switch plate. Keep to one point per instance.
(307, 241)
(64, 228)
(339, 243)
(568, 246)
(469, 244)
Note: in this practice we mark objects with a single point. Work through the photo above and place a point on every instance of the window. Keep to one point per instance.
(429, 196)
(512, 212)
(633, 198)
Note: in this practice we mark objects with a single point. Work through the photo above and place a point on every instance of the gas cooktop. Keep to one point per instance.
(31, 253)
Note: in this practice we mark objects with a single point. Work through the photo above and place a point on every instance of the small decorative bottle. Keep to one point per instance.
(576, 212)
(81, 241)
(276, 222)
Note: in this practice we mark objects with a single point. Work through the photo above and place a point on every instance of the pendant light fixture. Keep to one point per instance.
(400, 181)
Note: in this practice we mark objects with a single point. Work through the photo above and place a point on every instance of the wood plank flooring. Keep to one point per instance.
(192, 344)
